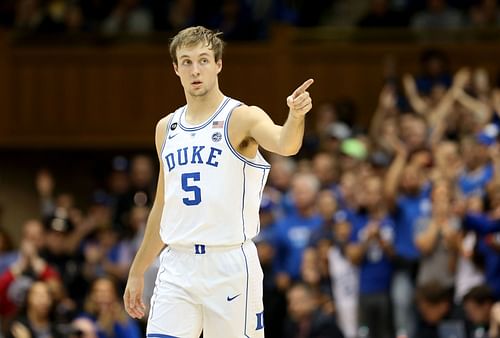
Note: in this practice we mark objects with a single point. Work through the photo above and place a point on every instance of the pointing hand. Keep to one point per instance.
(300, 103)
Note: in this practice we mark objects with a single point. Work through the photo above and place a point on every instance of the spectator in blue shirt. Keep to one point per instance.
(293, 232)
(104, 307)
(408, 196)
(488, 229)
(372, 250)
(478, 171)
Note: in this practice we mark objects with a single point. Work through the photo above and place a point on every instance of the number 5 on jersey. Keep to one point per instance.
(188, 186)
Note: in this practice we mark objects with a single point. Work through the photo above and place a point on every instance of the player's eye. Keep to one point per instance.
(186, 62)
(204, 61)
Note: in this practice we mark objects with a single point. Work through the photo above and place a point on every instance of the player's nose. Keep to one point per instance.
(195, 71)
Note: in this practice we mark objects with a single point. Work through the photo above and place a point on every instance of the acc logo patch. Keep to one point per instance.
(216, 137)
(173, 126)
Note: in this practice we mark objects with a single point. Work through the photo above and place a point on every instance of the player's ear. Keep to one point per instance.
(176, 68)
(219, 65)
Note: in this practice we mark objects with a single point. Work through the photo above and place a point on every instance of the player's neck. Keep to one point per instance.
(199, 108)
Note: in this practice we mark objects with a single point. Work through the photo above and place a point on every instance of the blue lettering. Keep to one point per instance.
(181, 160)
(212, 156)
(260, 321)
(197, 157)
(196, 154)
(170, 161)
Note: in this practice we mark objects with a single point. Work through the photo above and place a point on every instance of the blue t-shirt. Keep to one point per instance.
(412, 213)
(293, 235)
(475, 183)
(481, 223)
(127, 329)
(491, 262)
(375, 271)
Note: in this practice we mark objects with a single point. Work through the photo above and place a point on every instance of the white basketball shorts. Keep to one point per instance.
(216, 290)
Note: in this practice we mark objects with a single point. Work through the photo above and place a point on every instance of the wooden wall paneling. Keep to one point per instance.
(113, 96)
(5, 89)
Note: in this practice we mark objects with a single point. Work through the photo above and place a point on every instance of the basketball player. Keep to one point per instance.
(205, 212)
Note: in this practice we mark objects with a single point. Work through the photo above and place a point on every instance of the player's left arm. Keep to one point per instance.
(287, 139)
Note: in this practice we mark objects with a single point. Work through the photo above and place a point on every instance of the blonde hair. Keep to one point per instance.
(194, 35)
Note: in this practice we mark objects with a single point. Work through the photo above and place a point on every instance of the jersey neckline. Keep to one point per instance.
(191, 127)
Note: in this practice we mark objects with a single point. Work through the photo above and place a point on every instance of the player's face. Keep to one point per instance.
(197, 69)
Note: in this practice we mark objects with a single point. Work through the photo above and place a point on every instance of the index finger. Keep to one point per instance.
(303, 87)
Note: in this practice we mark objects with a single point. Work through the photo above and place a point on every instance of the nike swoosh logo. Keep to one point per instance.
(172, 136)
(232, 298)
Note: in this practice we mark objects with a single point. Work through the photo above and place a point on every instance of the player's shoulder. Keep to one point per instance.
(246, 112)
(161, 129)
(162, 124)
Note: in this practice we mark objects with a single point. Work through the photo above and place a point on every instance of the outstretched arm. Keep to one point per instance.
(417, 103)
(394, 173)
(481, 111)
(151, 244)
(287, 139)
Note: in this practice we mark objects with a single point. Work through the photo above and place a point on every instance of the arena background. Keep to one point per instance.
(81, 98)
(74, 100)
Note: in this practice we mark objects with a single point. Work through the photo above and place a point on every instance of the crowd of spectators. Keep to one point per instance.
(387, 231)
(241, 19)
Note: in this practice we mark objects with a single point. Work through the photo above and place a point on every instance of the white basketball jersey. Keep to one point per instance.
(212, 193)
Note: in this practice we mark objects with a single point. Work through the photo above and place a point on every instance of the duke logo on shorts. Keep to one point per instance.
(210, 278)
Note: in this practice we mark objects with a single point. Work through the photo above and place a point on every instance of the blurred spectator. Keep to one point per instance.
(436, 316)
(28, 267)
(66, 260)
(478, 303)
(83, 328)
(36, 316)
(44, 182)
(313, 274)
(469, 271)
(293, 232)
(487, 226)
(478, 170)
(336, 133)
(324, 166)
(485, 14)
(278, 188)
(51, 16)
(135, 228)
(372, 250)
(434, 65)
(305, 319)
(344, 276)
(382, 16)
(437, 238)
(407, 193)
(437, 15)
(315, 138)
(128, 16)
(140, 191)
(274, 299)
(118, 181)
(106, 255)
(327, 207)
(104, 307)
